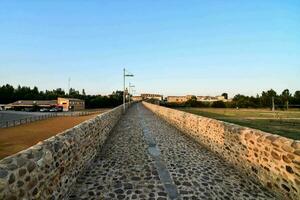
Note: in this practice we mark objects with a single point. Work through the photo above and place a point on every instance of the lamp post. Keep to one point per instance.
(130, 86)
(125, 74)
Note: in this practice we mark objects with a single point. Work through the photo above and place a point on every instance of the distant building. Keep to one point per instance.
(177, 99)
(152, 96)
(71, 104)
(136, 98)
(182, 99)
(211, 99)
(28, 104)
(67, 104)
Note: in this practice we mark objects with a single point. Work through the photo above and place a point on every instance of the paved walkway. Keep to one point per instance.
(145, 158)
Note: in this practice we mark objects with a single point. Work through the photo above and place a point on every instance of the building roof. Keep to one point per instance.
(152, 95)
(72, 99)
(33, 102)
(177, 96)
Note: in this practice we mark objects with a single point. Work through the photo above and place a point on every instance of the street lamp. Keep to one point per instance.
(130, 86)
(125, 74)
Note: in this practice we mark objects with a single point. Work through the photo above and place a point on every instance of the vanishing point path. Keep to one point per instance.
(146, 158)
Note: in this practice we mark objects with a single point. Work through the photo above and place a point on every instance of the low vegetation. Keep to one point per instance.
(281, 101)
(284, 123)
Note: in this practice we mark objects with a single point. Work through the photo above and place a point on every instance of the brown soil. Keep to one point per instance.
(15, 139)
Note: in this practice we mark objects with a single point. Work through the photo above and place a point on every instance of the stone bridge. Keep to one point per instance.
(154, 153)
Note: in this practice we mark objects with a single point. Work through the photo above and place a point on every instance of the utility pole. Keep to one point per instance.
(273, 104)
(124, 95)
(124, 89)
(69, 85)
(130, 86)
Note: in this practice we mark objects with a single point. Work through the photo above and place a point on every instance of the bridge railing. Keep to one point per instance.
(25, 120)
(49, 168)
(269, 159)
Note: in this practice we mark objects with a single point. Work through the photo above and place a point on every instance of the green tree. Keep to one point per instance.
(192, 102)
(225, 95)
(218, 104)
(286, 96)
(266, 98)
(297, 97)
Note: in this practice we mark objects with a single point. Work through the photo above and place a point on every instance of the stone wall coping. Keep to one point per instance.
(47, 169)
(269, 159)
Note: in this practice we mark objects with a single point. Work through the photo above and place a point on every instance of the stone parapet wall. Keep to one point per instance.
(272, 160)
(48, 169)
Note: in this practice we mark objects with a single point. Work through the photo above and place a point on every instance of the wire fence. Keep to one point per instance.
(25, 120)
(29, 119)
(80, 113)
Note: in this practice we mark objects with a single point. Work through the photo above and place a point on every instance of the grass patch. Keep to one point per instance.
(284, 123)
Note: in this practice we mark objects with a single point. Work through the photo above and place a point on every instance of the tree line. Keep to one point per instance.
(283, 100)
(9, 94)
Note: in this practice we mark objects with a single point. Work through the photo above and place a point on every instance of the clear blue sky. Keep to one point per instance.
(173, 47)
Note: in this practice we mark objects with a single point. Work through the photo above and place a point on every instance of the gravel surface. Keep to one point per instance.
(146, 158)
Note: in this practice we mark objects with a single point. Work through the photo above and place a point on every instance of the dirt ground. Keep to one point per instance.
(15, 139)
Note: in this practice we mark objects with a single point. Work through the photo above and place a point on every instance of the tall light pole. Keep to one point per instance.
(124, 82)
(69, 84)
(130, 86)
(273, 104)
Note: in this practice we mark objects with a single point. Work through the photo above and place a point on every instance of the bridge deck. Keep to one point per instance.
(145, 158)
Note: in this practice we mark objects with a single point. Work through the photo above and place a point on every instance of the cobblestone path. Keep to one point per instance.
(145, 158)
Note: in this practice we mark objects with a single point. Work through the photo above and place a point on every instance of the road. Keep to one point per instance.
(17, 115)
(146, 158)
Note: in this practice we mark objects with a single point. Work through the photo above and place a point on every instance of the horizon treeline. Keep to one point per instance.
(283, 100)
(9, 94)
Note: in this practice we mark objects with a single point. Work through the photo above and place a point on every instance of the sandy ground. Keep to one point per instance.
(15, 139)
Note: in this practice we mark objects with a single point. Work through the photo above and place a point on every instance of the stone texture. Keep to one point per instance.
(124, 168)
(272, 160)
(48, 169)
(98, 160)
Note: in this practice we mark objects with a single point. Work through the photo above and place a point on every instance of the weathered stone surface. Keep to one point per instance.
(287, 148)
(3, 173)
(275, 155)
(21, 161)
(3, 184)
(124, 169)
(31, 166)
(275, 158)
(296, 144)
(48, 169)
(297, 152)
(11, 179)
